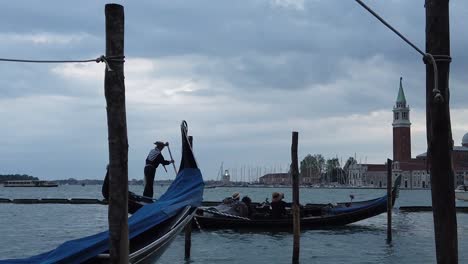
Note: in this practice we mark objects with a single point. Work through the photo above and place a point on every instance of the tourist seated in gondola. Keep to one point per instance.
(234, 198)
(233, 205)
(278, 206)
(248, 203)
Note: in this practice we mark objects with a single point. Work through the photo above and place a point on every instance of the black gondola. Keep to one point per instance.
(151, 229)
(312, 217)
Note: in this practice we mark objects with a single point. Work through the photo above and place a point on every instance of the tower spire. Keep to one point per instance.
(401, 99)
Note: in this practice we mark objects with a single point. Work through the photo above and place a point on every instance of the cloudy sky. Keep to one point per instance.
(244, 74)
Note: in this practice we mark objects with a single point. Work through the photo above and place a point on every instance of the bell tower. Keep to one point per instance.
(401, 128)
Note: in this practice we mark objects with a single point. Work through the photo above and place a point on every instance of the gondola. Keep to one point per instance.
(312, 216)
(149, 246)
(151, 228)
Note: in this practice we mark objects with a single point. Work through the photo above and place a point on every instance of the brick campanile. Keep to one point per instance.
(401, 128)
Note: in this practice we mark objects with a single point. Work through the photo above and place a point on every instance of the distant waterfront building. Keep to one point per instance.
(460, 161)
(310, 180)
(367, 174)
(357, 173)
(276, 179)
(309, 176)
(413, 171)
(226, 178)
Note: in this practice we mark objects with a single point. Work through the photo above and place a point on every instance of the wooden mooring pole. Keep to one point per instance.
(439, 132)
(117, 135)
(188, 227)
(389, 200)
(295, 204)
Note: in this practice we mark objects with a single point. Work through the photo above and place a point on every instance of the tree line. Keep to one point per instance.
(321, 170)
(17, 177)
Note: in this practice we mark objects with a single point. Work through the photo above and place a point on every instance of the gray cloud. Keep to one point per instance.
(244, 74)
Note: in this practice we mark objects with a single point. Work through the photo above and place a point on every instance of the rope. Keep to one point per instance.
(97, 60)
(390, 27)
(223, 214)
(198, 224)
(438, 98)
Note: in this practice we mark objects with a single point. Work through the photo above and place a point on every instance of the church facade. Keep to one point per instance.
(414, 171)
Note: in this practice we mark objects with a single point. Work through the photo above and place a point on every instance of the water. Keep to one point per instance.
(31, 229)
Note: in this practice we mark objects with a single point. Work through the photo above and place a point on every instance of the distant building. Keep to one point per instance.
(310, 176)
(367, 174)
(414, 172)
(460, 161)
(276, 179)
(226, 178)
(310, 180)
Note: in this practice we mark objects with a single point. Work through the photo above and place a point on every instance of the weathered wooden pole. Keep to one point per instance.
(117, 135)
(295, 202)
(389, 200)
(188, 227)
(439, 132)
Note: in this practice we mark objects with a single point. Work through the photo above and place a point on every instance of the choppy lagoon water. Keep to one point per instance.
(31, 229)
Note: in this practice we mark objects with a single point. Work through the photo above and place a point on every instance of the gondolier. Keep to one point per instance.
(153, 160)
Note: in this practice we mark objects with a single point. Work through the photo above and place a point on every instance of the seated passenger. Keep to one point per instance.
(278, 206)
(248, 203)
(234, 198)
(233, 205)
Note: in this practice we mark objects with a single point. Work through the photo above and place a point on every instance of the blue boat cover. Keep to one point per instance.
(377, 202)
(186, 189)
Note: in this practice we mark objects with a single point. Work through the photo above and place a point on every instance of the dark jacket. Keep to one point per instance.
(278, 209)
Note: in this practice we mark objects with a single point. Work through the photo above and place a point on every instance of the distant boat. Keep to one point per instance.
(30, 183)
(461, 193)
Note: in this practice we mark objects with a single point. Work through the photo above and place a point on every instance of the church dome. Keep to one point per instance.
(465, 140)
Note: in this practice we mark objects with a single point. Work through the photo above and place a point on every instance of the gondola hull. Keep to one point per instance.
(151, 252)
(149, 246)
(329, 218)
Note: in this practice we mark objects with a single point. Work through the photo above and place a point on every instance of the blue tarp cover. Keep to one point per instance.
(187, 189)
(341, 210)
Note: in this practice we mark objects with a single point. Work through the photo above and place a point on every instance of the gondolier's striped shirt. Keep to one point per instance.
(155, 158)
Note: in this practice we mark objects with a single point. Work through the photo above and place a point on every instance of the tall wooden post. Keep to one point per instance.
(439, 132)
(389, 200)
(295, 204)
(188, 227)
(117, 129)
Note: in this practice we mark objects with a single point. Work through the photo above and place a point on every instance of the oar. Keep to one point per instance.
(170, 154)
